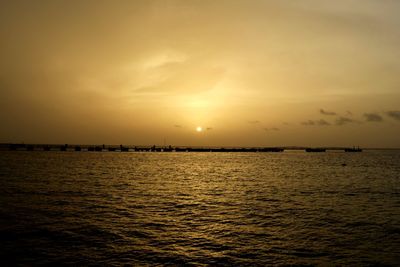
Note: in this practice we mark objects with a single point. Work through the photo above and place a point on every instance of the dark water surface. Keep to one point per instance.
(231, 209)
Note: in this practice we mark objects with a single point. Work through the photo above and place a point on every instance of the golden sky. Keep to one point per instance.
(250, 73)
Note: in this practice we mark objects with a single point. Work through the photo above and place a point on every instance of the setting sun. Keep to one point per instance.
(239, 132)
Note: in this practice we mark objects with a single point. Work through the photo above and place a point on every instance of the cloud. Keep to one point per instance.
(349, 113)
(177, 78)
(271, 129)
(343, 120)
(325, 112)
(209, 128)
(316, 123)
(394, 114)
(373, 117)
(160, 56)
(308, 123)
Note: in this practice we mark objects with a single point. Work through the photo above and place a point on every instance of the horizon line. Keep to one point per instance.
(143, 146)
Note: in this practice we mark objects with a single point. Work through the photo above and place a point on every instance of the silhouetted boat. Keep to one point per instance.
(13, 147)
(315, 149)
(354, 149)
(123, 149)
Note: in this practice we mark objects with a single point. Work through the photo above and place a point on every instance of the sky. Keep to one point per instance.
(249, 73)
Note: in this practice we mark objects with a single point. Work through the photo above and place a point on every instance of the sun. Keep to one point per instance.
(199, 129)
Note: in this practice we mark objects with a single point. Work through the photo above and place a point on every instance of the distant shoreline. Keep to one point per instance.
(169, 148)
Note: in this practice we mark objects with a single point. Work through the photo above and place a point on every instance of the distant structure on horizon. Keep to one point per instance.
(315, 150)
(354, 149)
(154, 148)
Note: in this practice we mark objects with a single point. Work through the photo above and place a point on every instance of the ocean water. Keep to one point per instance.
(200, 209)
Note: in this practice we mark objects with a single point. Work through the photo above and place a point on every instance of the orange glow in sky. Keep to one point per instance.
(253, 73)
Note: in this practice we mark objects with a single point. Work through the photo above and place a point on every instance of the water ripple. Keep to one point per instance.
(199, 209)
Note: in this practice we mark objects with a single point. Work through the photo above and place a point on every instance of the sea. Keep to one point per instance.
(200, 208)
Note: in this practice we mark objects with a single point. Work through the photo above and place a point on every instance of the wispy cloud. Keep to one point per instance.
(178, 126)
(308, 123)
(344, 120)
(271, 129)
(325, 112)
(373, 117)
(394, 114)
(209, 128)
(316, 123)
(254, 122)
